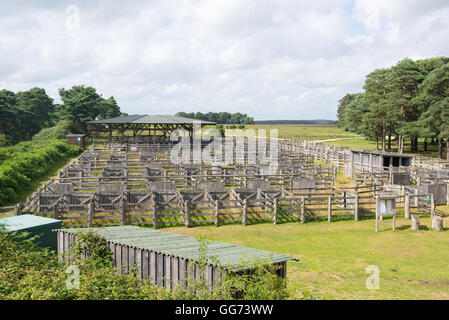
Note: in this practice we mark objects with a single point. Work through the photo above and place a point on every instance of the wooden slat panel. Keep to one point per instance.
(131, 258)
(175, 272)
(139, 261)
(167, 272)
(182, 271)
(153, 266)
(160, 269)
(125, 259)
(118, 251)
(146, 262)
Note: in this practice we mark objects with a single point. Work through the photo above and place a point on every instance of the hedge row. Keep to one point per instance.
(27, 161)
(31, 273)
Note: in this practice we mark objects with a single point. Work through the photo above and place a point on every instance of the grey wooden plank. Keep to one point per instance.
(153, 266)
(145, 264)
(118, 250)
(215, 276)
(175, 271)
(125, 258)
(131, 258)
(59, 236)
(138, 261)
(182, 271)
(160, 269)
(167, 272)
(208, 275)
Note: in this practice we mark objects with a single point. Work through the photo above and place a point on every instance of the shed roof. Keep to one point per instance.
(228, 255)
(385, 154)
(75, 135)
(26, 222)
(150, 119)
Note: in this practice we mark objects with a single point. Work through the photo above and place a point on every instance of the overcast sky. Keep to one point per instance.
(274, 59)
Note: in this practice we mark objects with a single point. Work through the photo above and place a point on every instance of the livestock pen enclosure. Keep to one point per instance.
(307, 208)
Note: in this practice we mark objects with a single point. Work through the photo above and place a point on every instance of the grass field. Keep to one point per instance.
(306, 132)
(330, 134)
(334, 256)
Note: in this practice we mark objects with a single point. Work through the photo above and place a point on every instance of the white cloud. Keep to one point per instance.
(281, 59)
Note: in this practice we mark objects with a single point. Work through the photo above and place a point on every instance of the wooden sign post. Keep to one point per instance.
(385, 205)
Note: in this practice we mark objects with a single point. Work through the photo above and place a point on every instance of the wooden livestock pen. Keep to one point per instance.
(169, 259)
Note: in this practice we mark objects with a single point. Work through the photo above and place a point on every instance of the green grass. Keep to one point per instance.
(333, 256)
(305, 132)
(341, 137)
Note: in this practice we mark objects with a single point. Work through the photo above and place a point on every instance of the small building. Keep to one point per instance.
(376, 161)
(145, 128)
(170, 259)
(36, 226)
(76, 139)
(379, 160)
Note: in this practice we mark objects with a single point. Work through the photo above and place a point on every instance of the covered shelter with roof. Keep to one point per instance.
(144, 128)
(170, 259)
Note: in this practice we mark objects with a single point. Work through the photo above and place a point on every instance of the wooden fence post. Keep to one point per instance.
(245, 209)
(217, 207)
(415, 222)
(447, 194)
(377, 213)
(18, 210)
(437, 223)
(123, 208)
(407, 207)
(275, 210)
(55, 210)
(356, 204)
(155, 215)
(329, 210)
(303, 210)
(187, 213)
(91, 212)
(432, 205)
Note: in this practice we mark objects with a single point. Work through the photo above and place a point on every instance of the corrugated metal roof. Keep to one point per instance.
(26, 221)
(150, 119)
(228, 255)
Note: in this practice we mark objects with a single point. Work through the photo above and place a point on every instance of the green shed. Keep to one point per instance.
(168, 258)
(35, 225)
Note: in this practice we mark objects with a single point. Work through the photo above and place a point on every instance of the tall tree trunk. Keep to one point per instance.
(401, 144)
(389, 142)
(447, 149)
(425, 144)
(440, 148)
(384, 133)
(416, 144)
(377, 144)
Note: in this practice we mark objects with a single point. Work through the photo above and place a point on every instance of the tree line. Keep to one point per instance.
(23, 114)
(410, 101)
(219, 117)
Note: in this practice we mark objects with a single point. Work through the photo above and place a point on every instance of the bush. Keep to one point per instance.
(29, 272)
(27, 161)
(59, 131)
(6, 140)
